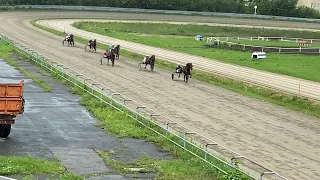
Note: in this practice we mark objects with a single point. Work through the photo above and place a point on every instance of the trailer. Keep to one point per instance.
(11, 104)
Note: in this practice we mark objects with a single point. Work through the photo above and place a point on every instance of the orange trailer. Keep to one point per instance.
(11, 104)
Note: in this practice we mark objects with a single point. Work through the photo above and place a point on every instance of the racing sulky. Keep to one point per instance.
(92, 44)
(148, 61)
(109, 55)
(69, 39)
(186, 70)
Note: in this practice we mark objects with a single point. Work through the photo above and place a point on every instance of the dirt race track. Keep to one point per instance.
(282, 140)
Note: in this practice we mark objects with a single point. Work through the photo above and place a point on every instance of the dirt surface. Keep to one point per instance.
(282, 140)
(55, 125)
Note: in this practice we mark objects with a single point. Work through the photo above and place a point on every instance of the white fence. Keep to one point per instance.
(262, 38)
(204, 148)
(231, 43)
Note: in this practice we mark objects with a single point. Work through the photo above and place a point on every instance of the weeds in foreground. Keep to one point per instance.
(27, 165)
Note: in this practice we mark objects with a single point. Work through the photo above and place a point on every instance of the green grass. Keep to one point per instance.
(29, 167)
(66, 176)
(291, 102)
(5, 54)
(173, 169)
(300, 66)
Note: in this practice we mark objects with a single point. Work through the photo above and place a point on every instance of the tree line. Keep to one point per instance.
(265, 7)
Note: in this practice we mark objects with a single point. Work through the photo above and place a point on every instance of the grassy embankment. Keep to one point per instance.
(185, 166)
(288, 101)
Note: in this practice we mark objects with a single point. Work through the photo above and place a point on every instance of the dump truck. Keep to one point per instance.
(11, 104)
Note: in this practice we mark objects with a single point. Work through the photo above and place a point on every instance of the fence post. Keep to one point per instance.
(168, 127)
(185, 138)
(206, 149)
(251, 38)
(238, 38)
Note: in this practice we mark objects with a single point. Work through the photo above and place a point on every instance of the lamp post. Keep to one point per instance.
(255, 10)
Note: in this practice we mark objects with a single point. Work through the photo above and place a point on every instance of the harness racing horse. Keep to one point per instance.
(186, 70)
(69, 39)
(117, 50)
(148, 61)
(111, 56)
(92, 45)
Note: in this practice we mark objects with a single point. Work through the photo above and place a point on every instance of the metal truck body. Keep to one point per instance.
(11, 104)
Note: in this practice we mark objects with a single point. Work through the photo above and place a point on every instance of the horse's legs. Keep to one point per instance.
(186, 77)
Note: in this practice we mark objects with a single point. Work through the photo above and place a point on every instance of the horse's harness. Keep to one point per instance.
(148, 60)
(68, 38)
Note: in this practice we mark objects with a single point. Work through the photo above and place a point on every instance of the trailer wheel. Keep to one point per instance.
(5, 130)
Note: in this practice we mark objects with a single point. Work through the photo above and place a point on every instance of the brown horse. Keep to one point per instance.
(186, 70)
(148, 61)
(117, 51)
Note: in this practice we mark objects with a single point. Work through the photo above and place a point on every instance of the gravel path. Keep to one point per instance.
(282, 140)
